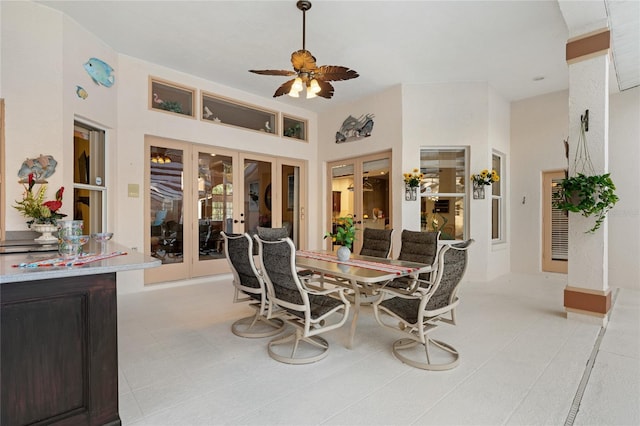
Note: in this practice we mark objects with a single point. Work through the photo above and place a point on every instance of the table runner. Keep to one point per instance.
(368, 264)
(61, 261)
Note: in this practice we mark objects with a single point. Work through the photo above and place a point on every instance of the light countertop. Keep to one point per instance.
(128, 262)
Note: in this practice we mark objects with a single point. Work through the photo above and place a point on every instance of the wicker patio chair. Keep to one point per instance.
(376, 242)
(311, 311)
(249, 286)
(419, 314)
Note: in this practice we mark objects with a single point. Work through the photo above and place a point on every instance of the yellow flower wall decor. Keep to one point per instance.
(485, 177)
(413, 179)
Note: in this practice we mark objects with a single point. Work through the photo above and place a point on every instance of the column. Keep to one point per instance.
(587, 296)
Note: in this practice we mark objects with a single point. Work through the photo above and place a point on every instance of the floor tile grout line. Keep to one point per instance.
(575, 405)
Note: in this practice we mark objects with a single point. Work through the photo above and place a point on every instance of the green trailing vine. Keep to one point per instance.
(588, 195)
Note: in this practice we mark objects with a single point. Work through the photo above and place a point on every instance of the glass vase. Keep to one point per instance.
(478, 191)
(68, 228)
(410, 193)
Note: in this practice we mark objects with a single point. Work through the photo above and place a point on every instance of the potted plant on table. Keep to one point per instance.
(345, 235)
(588, 195)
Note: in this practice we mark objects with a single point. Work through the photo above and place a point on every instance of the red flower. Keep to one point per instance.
(59, 194)
(32, 181)
(53, 205)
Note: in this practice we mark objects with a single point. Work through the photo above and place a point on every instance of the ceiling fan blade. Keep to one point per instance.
(273, 72)
(326, 89)
(335, 73)
(303, 60)
(284, 88)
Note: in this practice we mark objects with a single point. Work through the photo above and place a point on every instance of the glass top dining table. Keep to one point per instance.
(365, 275)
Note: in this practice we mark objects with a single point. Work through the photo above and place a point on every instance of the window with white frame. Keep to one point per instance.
(497, 199)
(89, 181)
(443, 191)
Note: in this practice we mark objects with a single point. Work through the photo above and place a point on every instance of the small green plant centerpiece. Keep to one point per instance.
(344, 235)
(588, 195)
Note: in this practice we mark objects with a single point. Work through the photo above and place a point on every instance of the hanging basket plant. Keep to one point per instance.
(586, 193)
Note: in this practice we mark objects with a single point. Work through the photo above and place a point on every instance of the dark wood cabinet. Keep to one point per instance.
(59, 356)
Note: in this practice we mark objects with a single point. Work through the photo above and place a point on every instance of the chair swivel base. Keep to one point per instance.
(400, 351)
(318, 346)
(257, 326)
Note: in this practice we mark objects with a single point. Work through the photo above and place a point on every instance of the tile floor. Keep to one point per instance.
(521, 364)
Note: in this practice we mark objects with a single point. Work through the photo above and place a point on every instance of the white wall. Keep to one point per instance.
(624, 161)
(460, 114)
(135, 121)
(32, 86)
(538, 127)
(387, 135)
(409, 117)
(43, 53)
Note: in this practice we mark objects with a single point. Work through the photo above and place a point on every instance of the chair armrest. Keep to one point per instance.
(323, 291)
(418, 294)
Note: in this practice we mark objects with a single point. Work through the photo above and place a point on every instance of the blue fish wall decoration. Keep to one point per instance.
(100, 72)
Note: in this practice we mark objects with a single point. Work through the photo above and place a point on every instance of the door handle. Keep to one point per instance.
(235, 221)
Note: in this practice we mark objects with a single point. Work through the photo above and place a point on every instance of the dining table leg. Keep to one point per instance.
(356, 312)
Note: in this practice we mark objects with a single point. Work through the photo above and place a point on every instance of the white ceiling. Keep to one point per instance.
(509, 44)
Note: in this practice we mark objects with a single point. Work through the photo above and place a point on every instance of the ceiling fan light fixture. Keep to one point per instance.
(297, 84)
(314, 86)
(304, 68)
(310, 93)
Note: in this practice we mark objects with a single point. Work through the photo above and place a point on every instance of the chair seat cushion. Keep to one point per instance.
(407, 309)
(320, 305)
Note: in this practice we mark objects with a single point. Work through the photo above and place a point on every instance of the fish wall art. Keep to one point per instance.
(42, 167)
(100, 72)
(82, 94)
(355, 128)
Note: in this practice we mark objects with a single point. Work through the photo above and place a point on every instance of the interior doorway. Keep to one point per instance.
(360, 188)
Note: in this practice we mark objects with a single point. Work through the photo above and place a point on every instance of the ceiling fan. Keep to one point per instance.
(308, 75)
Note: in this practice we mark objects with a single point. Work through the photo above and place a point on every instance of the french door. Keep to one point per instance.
(196, 191)
(361, 188)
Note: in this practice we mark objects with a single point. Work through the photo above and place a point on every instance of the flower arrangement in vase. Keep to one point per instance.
(411, 183)
(35, 208)
(482, 179)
